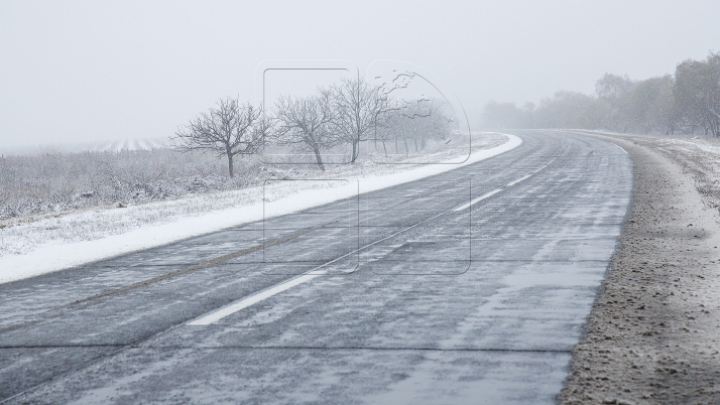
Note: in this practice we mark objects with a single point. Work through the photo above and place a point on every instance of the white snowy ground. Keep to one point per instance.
(100, 146)
(55, 243)
(699, 157)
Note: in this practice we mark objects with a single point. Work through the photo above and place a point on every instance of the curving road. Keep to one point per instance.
(471, 286)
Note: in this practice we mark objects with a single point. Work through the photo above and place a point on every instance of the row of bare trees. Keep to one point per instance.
(686, 102)
(345, 114)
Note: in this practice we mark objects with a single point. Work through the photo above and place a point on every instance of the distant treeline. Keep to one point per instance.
(687, 102)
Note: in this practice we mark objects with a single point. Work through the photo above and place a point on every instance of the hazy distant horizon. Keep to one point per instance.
(90, 71)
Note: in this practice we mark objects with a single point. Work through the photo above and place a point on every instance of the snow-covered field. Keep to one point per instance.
(701, 159)
(109, 145)
(53, 243)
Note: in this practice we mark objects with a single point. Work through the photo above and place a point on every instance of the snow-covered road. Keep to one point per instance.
(469, 286)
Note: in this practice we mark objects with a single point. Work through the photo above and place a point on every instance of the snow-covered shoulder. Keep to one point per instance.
(78, 241)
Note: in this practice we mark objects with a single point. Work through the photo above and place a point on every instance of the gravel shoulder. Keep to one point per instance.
(652, 337)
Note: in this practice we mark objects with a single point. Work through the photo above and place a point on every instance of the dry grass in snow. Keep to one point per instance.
(70, 217)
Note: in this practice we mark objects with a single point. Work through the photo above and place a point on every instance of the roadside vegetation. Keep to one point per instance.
(327, 127)
(687, 102)
(57, 182)
(231, 146)
(197, 189)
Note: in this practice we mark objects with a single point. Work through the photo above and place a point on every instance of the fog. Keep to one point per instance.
(91, 71)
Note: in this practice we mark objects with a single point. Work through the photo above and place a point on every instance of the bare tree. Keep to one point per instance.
(567, 110)
(304, 123)
(417, 121)
(357, 107)
(613, 93)
(697, 94)
(230, 129)
(650, 105)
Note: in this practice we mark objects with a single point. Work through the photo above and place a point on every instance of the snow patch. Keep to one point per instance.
(144, 228)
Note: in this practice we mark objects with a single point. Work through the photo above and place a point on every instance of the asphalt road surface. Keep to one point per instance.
(471, 286)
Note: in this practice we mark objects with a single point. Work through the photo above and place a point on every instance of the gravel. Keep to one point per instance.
(652, 337)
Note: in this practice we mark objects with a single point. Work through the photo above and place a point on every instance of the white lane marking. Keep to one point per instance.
(478, 199)
(619, 147)
(512, 183)
(276, 289)
(262, 295)
(253, 299)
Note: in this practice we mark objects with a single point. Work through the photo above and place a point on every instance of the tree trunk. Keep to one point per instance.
(384, 147)
(230, 165)
(407, 148)
(318, 158)
(354, 150)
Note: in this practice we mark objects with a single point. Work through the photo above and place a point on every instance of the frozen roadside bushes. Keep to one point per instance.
(57, 182)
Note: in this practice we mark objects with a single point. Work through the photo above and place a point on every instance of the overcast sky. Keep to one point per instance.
(97, 70)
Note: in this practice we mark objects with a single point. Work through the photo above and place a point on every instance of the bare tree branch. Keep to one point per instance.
(305, 123)
(230, 129)
(357, 106)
